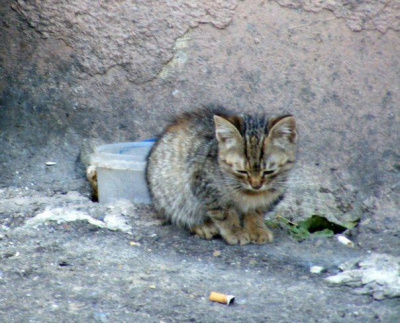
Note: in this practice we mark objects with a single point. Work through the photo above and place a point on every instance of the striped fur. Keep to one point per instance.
(216, 173)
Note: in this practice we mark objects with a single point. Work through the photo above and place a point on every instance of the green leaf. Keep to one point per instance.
(319, 223)
(351, 224)
(326, 233)
(315, 226)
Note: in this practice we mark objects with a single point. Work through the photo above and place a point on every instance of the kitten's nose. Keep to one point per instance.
(256, 183)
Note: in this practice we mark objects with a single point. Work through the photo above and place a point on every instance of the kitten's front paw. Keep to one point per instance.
(261, 236)
(206, 231)
(240, 237)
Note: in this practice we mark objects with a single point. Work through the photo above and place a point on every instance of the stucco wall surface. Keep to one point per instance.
(76, 74)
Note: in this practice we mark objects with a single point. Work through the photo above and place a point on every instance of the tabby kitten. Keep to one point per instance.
(216, 173)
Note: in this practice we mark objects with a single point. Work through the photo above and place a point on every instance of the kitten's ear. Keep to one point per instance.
(227, 134)
(283, 127)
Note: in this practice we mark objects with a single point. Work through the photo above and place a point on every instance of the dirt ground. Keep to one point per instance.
(64, 257)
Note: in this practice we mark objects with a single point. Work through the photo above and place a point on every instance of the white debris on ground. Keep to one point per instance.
(115, 217)
(116, 214)
(316, 269)
(62, 215)
(377, 275)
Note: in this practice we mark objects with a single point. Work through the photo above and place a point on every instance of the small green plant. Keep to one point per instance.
(314, 226)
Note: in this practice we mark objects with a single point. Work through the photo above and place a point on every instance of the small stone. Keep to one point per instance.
(15, 255)
(50, 163)
(379, 295)
(217, 253)
(316, 269)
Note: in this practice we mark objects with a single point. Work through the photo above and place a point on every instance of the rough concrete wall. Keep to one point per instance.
(77, 74)
(358, 15)
(137, 36)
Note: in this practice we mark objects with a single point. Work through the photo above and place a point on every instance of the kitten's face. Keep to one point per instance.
(256, 153)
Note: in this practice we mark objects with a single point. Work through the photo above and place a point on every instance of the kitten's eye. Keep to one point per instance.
(268, 172)
(242, 172)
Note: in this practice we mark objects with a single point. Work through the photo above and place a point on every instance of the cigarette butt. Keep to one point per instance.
(345, 241)
(222, 298)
